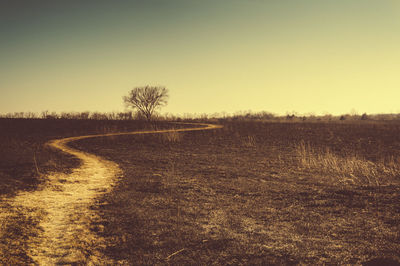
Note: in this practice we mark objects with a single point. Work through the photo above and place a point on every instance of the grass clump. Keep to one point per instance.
(172, 136)
(353, 169)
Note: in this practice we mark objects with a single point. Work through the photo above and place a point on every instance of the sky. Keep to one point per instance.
(309, 56)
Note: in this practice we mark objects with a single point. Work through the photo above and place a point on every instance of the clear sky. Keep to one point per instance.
(213, 55)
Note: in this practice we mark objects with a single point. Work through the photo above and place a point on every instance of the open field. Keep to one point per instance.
(249, 193)
(242, 194)
(24, 157)
(45, 193)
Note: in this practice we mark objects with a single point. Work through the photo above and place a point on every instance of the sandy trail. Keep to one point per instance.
(62, 206)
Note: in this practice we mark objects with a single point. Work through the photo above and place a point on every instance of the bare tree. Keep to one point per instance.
(147, 99)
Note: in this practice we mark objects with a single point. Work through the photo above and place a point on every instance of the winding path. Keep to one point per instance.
(62, 205)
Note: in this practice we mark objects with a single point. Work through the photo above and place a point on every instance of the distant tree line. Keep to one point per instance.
(239, 116)
(75, 115)
(294, 117)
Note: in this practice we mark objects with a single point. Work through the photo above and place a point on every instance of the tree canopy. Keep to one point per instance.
(146, 99)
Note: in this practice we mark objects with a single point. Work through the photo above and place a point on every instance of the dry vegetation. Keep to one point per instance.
(250, 193)
(25, 161)
(353, 169)
(255, 193)
(173, 136)
(24, 157)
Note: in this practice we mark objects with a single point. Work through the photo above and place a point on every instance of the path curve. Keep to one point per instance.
(62, 205)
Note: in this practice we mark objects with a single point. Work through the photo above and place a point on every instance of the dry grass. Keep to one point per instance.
(249, 141)
(241, 196)
(237, 196)
(172, 136)
(353, 169)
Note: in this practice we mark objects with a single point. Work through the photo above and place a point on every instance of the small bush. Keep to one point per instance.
(364, 116)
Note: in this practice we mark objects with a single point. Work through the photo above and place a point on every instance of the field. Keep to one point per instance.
(24, 157)
(249, 193)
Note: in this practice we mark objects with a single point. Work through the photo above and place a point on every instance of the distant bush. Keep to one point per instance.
(290, 117)
(364, 116)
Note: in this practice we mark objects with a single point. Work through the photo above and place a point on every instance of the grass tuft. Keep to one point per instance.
(172, 136)
(354, 169)
(249, 141)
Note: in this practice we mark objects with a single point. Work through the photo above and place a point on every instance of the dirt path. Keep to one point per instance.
(62, 206)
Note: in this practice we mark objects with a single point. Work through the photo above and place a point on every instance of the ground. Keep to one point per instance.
(239, 195)
(245, 195)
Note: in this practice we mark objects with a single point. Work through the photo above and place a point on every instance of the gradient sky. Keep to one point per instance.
(279, 56)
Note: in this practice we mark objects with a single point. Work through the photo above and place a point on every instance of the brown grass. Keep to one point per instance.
(241, 196)
(172, 136)
(354, 169)
(249, 141)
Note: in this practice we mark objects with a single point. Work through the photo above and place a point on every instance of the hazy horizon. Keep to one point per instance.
(213, 56)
